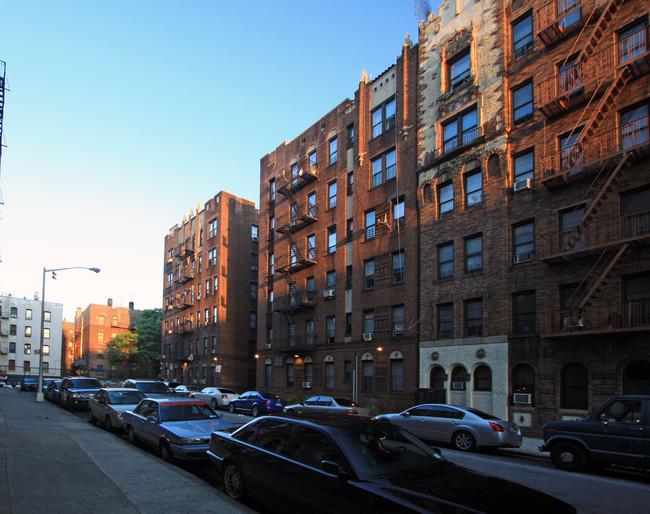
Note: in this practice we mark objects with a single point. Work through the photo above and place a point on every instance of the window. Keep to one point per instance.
(446, 260)
(331, 195)
(634, 126)
(397, 374)
(369, 322)
(311, 246)
(446, 198)
(311, 205)
(312, 158)
(574, 387)
(330, 329)
(309, 331)
(398, 267)
(212, 257)
(333, 149)
(331, 239)
(474, 254)
(473, 318)
(348, 277)
(350, 183)
(213, 227)
(398, 213)
(349, 229)
(12, 365)
(524, 166)
(570, 152)
(28, 331)
(47, 316)
(390, 160)
(473, 189)
(368, 378)
(397, 316)
(522, 103)
(524, 312)
(350, 136)
(269, 299)
(482, 378)
(271, 264)
(294, 174)
(293, 254)
(569, 221)
(28, 314)
(388, 163)
(522, 35)
(567, 13)
(290, 374)
(253, 291)
(46, 333)
(369, 274)
(310, 287)
(12, 330)
(523, 379)
(293, 208)
(383, 118)
(329, 376)
(632, 42)
(253, 267)
(460, 131)
(458, 70)
(14, 312)
(370, 220)
(27, 349)
(569, 77)
(27, 366)
(330, 280)
(272, 190)
(347, 372)
(524, 242)
(255, 233)
(268, 375)
(12, 347)
(446, 321)
(635, 208)
(252, 319)
(348, 323)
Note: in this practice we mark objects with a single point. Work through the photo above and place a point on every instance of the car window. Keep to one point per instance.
(420, 411)
(622, 411)
(312, 447)
(124, 397)
(87, 383)
(247, 434)
(269, 396)
(152, 387)
(481, 414)
(344, 402)
(440, 411)
(312, 401)
(226, 391)
(186, 411)
(273, 435)
(142, 408)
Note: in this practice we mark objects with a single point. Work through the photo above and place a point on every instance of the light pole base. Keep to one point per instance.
(40, 397)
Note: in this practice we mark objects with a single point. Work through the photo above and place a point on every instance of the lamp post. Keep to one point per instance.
(39, 391)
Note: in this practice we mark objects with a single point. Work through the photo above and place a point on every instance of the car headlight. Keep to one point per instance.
(76, 395)
(189, 440)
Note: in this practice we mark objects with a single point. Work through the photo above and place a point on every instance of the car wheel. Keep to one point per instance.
(108, 424)
(233, 481)
(231, 408)
(255, 411)
(93, 419)
(464, 441)
(214, 404)
(568, 457)
(132, 438)
(165, 451)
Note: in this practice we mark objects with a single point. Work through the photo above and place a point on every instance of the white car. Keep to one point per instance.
(216, 397)
(108, 405)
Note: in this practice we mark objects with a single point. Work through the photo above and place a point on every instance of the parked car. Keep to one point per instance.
(358, 464)
(151, 388)
(51, 392)
(188, 390)
(178, 428)
(617, 432)
(75, 392)
(464, 427)
(256, 403)
(47, 382)
(216, 397)
(329, 405)
(108, 405)
(29, 383)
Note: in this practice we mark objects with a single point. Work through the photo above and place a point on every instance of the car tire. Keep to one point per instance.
(231, 408)
(107, 423)
(165, 451)
(131, 435)
(568, 457)
(255, 411)
(464, 441)
(93, 419)
(214, 404)
(233, 481)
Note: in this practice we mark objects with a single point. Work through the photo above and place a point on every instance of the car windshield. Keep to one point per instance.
(270, 396)
(87, 383)
(226, 391)
(343, 402)
(384, 450)
(481, 414)
(30, 380)
(152, 387)
(186, 411)
(124, 397)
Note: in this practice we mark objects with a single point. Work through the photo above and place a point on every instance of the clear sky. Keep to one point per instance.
(123, 115)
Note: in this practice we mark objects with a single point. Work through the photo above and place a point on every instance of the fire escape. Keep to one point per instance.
(596, 77)
(299, 256)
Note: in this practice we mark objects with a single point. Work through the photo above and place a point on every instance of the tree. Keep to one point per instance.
(138, 353)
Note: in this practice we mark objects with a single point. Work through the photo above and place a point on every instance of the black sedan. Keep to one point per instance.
(352, 464)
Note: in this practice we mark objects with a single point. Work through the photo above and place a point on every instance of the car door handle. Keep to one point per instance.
(636, 429)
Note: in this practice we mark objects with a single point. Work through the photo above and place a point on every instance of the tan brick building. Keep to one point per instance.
(338, 255)
(210, 295)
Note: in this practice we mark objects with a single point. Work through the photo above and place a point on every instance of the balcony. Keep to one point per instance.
(293, 303)
(298, 222)
(559, 18)
(590, 320)
(185, 277)
(565, 245)
(453, 147)
(305, 175)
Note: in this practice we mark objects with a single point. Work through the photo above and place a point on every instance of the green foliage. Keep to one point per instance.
(138, 353)
(374, 408)
(292, 400)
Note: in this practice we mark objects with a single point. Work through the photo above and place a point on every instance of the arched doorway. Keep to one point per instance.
(636, 378)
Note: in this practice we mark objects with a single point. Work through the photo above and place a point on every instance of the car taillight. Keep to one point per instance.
(351, 411)
(268, 403)
(496, 427)
(224, 396)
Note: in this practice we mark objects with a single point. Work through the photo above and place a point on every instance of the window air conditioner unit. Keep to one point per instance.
(521, 185)
(522, 398)
(268, 346)
(368, 336)
(458, 386)
(255, 239)
(397, 333)
(328, 294)
(523, 257)
(306, 385)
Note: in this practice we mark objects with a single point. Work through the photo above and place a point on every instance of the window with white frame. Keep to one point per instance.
(474, 253)
(369, 274)
(333, 150)
(522, 103)
(460, 131)
(212, 257)
(331, 239)
(398, 213)
(524, 166)
(473, 188)
(213, 228)
(331, 195)
(383, 117)
(445, 198)
(369, 322)
(458, 70)
(370, 222)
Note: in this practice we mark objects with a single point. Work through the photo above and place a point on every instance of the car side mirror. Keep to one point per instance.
(603, 417)
(405, 414)
(333, 468)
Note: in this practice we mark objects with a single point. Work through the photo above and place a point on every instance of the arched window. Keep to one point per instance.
(574, 387)
(459, 379)
(523, 380)
(368, 373)
(636, 378)
(396, 372)
(437, 378)
(482, 378)
(328, 366)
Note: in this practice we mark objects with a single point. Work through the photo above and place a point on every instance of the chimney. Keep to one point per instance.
(131, 305)
(110, 303)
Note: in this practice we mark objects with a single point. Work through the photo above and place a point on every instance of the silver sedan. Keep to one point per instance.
(108, 405)
(464, 427)
(215, 397)
(329, 405)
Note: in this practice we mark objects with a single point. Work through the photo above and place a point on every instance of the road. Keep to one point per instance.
(598, 492)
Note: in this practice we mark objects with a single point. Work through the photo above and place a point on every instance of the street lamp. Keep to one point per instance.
(39, 391)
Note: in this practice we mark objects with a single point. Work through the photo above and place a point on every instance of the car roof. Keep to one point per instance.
(332, 422)
(181, 399)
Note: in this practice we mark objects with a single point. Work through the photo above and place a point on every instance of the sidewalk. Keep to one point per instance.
(53, 461)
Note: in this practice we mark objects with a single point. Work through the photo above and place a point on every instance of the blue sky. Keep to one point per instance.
(122, 116)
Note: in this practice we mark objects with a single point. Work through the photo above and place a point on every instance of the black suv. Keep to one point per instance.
(151, 388)
(29, 383)
(618, 432)
(75, 392)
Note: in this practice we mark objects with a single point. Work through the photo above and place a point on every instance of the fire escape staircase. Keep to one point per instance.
(595, 279)
(597, 33)
(298, 219)
(295, 302)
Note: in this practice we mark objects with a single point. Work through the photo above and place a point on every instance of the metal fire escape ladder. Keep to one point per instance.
(605, 19)
(598, 274)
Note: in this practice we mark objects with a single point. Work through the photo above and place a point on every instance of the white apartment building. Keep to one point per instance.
(20, 325)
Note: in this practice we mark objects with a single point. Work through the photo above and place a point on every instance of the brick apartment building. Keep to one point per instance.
(210, 295)
(86, 349)
(338, 251)
(535, 205)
